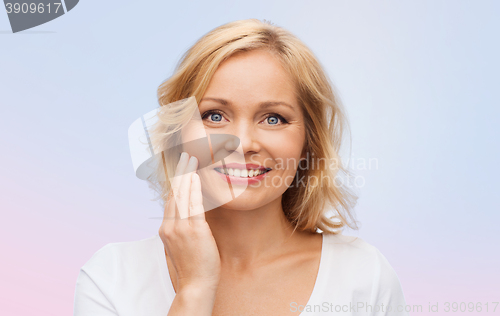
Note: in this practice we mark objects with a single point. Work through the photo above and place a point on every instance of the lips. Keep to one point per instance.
(236, 173)
(240, 166)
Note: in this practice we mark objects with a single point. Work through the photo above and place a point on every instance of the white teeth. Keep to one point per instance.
(242, 173)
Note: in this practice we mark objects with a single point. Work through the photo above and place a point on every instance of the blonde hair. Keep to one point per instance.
(305, 206)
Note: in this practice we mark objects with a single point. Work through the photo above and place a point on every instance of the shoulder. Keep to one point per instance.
(122, 276)
(355, 250)
(118, 257)
(363, 267)
(352, 250)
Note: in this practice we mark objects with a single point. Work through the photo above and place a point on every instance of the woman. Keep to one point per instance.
(269, 249)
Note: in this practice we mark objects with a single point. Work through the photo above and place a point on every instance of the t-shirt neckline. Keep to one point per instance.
(318, 283)
(320, 277)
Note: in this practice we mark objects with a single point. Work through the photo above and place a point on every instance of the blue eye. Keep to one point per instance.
(213, 116)
(273, 120)
(276, 119)
(216, 117)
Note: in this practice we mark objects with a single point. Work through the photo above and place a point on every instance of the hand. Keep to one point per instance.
(187, 238)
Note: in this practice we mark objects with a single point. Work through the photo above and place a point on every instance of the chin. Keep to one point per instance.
(245, 202)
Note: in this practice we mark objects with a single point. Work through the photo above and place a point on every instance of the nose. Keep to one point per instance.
(248, 140)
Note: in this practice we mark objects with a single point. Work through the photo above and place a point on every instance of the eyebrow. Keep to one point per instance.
(264, 104)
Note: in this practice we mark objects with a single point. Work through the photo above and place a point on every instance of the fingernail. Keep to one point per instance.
(192, 160)
(183, 157)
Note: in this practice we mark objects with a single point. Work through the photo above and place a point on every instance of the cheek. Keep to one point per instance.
(194, 141)
(193, 130)
(286, 146)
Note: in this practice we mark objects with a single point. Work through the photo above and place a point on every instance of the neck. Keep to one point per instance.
(250, 236)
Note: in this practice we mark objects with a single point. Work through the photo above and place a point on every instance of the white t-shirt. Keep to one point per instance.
(132, 279)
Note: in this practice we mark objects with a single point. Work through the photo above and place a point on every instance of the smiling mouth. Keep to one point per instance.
(242, 173)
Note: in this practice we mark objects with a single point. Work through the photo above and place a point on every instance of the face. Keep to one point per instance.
(252, 97)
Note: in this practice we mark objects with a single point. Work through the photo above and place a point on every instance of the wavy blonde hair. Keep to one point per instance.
(305, 206)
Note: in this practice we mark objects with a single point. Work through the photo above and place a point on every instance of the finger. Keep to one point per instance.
(196, 210)
(185, 188)
(171, 212)
(179, 192)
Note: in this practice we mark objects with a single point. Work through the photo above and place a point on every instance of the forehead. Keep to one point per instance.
(252, 77)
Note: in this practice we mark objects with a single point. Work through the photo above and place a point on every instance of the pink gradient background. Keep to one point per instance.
(417, 79)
